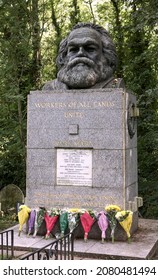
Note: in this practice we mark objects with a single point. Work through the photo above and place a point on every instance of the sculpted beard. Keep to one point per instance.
(82, 72)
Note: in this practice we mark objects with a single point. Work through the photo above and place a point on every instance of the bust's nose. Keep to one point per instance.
(80, 51)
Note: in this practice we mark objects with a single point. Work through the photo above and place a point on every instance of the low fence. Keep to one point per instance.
(59, 249)
(7, 244)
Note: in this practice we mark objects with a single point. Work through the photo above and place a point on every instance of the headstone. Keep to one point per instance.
(82, 149)
(10, 195)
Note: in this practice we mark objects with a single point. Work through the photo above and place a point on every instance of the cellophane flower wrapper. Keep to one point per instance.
(87, 220)
(23, 216)
(73, 220)
(50, 221)
(125, 218)
(111, 211)
(40, 212)
(31, 221)
(103, 224)
(63, 221)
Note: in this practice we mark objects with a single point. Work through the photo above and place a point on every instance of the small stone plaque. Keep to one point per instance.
(73, 129)
(74, 167)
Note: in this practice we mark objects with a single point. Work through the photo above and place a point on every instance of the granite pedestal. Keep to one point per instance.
(82, 149)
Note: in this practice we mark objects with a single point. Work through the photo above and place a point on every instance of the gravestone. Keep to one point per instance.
(10, 195)
(82, 149)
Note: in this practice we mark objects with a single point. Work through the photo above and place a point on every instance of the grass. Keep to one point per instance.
(7, 221)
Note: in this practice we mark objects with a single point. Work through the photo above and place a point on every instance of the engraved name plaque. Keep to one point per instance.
(74, 167)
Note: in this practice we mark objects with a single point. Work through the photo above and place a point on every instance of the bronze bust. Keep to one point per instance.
(86, 59)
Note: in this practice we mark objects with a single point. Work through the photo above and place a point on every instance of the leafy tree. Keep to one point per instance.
(141, 77)
(19, 46)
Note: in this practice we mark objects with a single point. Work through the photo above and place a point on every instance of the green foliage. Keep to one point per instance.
(148, 152)
(141, 77)
(150, 196)
(7, 221)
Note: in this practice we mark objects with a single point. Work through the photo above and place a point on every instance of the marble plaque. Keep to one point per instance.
(74, 167)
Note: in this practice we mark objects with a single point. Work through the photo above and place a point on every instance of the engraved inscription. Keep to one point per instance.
(73, 115)
(74, 109)
(72, 143)
(74, 167)
(76, 105)
(74, 200)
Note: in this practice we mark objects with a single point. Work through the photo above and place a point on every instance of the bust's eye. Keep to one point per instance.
(90, 48)
(73, 49)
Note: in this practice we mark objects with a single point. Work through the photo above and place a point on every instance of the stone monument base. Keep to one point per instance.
(82, 152)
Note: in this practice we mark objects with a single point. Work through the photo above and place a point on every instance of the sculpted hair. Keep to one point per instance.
(109, 50)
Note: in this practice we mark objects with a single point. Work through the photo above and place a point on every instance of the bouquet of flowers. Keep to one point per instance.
(125, 220)
(51, 219)
(103, 224)
(87, 219)
(23, 216)
(31, 221)
(111, 211)
(63, 221)
(73, 218)
(40, 213)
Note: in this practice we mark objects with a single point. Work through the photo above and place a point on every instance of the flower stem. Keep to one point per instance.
(85, 236)
(113, 240)
(102, 240)
(129, 240)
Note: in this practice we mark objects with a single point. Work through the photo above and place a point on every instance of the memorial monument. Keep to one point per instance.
(81, 131)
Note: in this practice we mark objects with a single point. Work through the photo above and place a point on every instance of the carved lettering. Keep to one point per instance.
(104, 104)
(74, 200)
(75, 105)
(72, 105)
(55, 105)
(84, 105)
(73, 143)
(73, 115)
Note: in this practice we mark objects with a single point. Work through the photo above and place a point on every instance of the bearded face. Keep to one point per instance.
(80, 73)
(85, 65)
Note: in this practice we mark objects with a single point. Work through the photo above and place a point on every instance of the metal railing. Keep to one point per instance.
(59, 249)
(7, 244)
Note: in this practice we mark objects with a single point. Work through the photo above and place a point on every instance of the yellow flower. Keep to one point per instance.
(74, 210)
(121, 215)
(123, 212)
(125, 220)
(112, 208)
